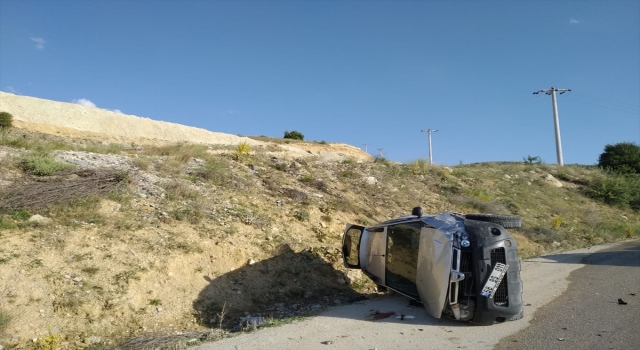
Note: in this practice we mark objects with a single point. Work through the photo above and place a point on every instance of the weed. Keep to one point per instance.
(21, 215)
(556, 222)
(348, 161)
(193, 214)
(122, 279)
(382, 160)
(143, 163)
(6, 224)
(347, 174)
(175, 190)
(243, 150)
(6, 259)
(301, 215)
(34, 263)
(42, 164)
(419, 167)
(184, 246)
(5, 319)
(155, 302)
(223, 312)
(306, 178)
(90, 270)
(50, 342)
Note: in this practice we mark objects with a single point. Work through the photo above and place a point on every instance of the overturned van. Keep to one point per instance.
(464, 267)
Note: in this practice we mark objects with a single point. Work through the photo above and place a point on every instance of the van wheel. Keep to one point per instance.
(506, 221)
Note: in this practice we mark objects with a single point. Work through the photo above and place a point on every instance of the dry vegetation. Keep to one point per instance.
(186, 238)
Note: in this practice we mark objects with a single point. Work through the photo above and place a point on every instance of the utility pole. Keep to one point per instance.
(366, 146)
(380, 155)
(556, 123)
(429, 131)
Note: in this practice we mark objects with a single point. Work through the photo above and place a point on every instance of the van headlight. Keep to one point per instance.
(465, 243)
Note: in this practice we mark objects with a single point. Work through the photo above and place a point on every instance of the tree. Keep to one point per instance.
(295, 135)
(6, 121)
(623, 157)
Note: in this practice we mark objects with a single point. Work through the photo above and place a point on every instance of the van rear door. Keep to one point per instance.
(351, 246)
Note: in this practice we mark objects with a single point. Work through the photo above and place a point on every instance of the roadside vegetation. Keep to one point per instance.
(193, 238)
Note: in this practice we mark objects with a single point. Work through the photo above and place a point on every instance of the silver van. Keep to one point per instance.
(464, 267)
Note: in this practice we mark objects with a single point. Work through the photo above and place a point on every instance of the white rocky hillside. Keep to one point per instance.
(77, 121)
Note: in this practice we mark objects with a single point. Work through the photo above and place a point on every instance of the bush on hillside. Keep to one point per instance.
(294, 135)
(623, 157)
(6, 121)
(42, 164)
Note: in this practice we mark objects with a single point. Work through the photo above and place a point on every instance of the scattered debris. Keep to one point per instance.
(561, 339)
(377, 315)
(327, 342)
(621, 302)
(402, 317)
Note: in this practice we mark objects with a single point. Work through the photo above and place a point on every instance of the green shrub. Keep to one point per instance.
(623, 157)
(295, 135)
(42, 164)
(613, 190)
(302, 215)
(6, 121)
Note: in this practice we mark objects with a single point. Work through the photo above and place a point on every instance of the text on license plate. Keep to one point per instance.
(494, 280)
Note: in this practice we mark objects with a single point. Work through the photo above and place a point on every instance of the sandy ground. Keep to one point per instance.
(348, 327)
(77, 121)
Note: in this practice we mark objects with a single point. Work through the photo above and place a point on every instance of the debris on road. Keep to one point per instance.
(402, 317)
(621, 302)
(377, 315)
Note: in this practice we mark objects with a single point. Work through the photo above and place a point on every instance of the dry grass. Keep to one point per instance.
(195, 241)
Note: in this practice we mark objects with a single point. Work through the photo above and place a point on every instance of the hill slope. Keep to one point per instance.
(190, 237)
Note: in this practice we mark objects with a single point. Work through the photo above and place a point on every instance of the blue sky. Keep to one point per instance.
(359, 72)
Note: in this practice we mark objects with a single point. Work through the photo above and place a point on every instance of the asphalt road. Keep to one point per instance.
(546, 280)
(588, 315)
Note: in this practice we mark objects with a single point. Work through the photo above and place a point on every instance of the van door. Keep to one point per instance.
(351, 246)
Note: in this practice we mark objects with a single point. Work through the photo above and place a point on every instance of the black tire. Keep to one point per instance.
(506, 221)
(517, 316)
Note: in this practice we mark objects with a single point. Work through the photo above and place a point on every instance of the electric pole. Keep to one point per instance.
(556, 123)
(366, 146)
(429, 131)
(380, 155)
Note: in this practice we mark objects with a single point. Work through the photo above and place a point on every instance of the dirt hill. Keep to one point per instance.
(71, 120)
(102, 243)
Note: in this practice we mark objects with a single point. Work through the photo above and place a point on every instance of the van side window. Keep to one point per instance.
(403, 241)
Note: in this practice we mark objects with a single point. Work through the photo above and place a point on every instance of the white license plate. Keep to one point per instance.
(494, 280)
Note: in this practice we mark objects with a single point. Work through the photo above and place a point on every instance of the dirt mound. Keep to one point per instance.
(84, 122)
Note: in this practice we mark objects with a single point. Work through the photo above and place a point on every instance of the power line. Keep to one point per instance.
(629, 110)
(366, 145)
(606, 100)
(556, 123)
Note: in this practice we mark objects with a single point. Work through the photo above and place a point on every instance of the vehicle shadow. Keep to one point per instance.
(626, 254)
(286, 285)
